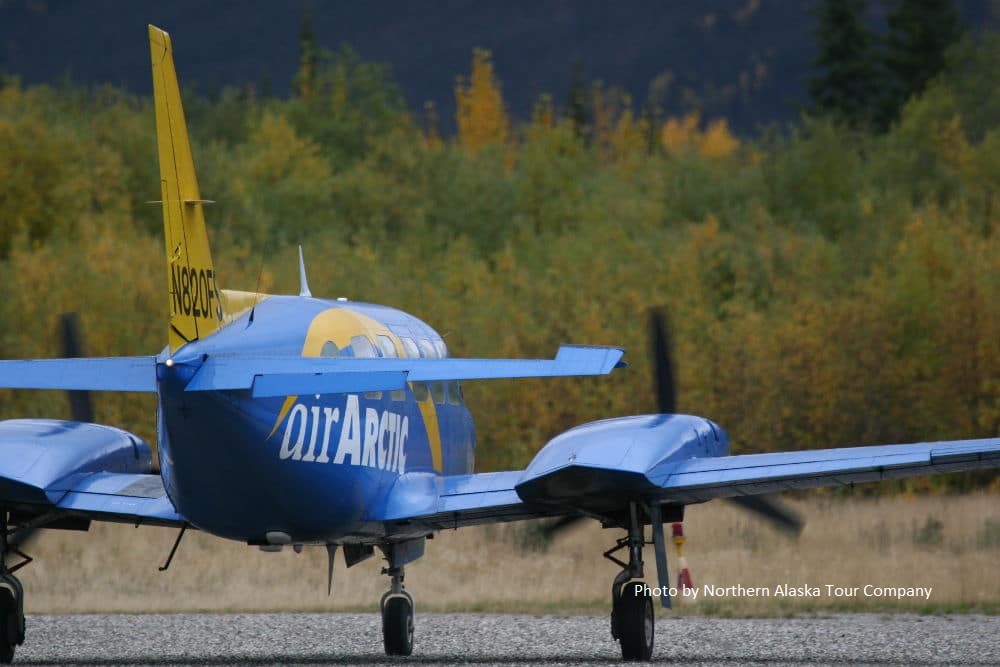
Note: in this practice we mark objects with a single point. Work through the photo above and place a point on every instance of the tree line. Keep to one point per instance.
(829, 285)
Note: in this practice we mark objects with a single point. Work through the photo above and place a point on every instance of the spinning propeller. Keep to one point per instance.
(666, 403)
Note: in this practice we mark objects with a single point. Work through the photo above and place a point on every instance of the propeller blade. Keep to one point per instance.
(560, 525)
(768, 508)
(660, 551)
(80, 405)
(22, 538)
(660, 349)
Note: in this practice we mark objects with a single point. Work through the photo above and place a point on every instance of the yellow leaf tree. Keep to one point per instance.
(479, 107)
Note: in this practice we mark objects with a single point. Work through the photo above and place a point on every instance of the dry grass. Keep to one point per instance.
(952, 544)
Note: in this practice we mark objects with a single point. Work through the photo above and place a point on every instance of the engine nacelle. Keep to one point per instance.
(41, 459)
(609, 459)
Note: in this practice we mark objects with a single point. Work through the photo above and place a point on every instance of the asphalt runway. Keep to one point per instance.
(485, 639)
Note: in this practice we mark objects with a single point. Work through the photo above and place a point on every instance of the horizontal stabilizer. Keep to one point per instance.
(287, 384)
(98, 374)
(277, 376)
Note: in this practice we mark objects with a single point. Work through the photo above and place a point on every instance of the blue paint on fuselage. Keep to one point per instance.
(232, 470)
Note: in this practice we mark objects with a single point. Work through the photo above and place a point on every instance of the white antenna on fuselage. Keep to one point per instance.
(303, 283)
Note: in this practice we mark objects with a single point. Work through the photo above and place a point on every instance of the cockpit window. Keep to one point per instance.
(363, 347)
(330, 349)
(437, 391)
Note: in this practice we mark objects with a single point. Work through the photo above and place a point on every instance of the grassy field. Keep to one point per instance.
(949, 543)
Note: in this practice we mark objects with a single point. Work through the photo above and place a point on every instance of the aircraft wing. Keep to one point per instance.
(697, 480)
(459, 500)
(629, 458)
(586, 486)
(121, 497)
(102, 496)
(51, 469)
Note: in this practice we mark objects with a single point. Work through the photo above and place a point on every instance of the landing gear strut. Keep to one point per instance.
(631, 603)
(11, 598)
(397, 614)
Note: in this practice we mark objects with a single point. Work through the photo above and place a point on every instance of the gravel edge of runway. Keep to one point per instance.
(337, 638)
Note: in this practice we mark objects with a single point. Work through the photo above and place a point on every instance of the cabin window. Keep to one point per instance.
(410, 347)
(437, 391)
(330, 349)
(427, 350)
(454, 392)
(363, 348)
(389, 352)
(385, 344)
(419, 390)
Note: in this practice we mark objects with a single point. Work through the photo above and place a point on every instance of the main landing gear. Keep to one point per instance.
(631, 603)
(397, 615)
(11, 597)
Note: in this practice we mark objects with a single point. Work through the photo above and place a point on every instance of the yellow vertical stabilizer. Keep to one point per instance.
(194, 301)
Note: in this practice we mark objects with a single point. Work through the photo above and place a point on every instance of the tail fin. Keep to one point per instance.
(195, 305)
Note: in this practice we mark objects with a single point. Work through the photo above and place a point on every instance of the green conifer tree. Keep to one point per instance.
(576, 102)
(847, 86)
(920, 33)
(305, 78)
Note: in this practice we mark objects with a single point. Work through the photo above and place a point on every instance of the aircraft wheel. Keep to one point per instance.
(397, 626)
(634, 622)
(10, 625)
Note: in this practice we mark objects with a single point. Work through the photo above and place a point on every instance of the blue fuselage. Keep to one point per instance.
(315, 467)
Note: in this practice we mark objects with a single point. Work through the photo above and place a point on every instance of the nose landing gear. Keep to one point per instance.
(397, 616)
(396, 603)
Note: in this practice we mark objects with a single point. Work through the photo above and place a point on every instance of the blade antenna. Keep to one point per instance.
(331, 551)
(303, 283)
(256, 298)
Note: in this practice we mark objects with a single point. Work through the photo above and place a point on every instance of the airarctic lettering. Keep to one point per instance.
(194, 291)
(375, 439)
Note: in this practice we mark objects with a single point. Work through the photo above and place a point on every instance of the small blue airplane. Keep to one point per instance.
(294, 420)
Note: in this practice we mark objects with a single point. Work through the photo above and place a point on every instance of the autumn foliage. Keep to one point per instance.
(827, 286)
(480, 115)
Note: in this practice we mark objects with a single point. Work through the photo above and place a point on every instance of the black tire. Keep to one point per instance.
(9, 626)
(635, 621)
(397, 626)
